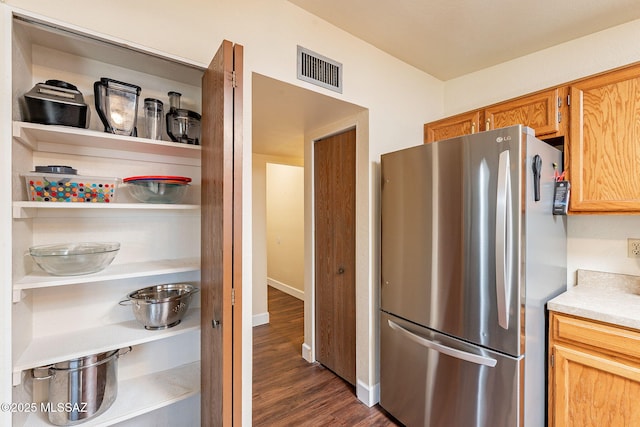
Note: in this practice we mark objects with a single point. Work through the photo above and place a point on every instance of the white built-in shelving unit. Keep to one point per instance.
(57, 318)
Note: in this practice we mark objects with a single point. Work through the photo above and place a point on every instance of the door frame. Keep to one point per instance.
(367, 230)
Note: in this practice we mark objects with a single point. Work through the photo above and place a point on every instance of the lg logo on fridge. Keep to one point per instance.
(503, 139)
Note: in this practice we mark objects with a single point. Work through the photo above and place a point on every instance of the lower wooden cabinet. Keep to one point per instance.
(594, 373)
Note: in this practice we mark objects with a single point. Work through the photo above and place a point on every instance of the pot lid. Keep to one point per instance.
(66, 170)
(62, 84)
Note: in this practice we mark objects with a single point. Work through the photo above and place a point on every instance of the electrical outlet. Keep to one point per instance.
(633, 248)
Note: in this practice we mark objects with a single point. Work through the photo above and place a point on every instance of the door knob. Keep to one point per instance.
(341, 270)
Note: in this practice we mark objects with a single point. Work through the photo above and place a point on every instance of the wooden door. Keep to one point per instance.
(603, 148)
(334, 196)
(462, 124)
(221, 246)
(539, 112)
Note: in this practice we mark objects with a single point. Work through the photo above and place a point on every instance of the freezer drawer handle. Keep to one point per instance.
(504, 244)
(458, 354)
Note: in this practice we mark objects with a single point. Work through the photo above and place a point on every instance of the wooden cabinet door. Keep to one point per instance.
(539, 112)
(592, 390)
(221, 240)
(335, 295)
(463, 124)
(604, 143)
(594, 373)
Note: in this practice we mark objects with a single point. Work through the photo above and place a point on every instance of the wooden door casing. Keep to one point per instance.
(334, 200)
(221, 244)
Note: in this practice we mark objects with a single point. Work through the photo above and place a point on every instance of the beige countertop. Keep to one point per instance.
(607, 297)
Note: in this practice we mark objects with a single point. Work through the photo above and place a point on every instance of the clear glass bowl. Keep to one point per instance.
(157, 191)
(73, 259)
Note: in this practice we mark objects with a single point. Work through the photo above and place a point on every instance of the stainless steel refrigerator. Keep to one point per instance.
(471, 253)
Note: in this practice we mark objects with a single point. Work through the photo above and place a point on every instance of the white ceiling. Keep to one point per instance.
(445, 38)
(450, 38)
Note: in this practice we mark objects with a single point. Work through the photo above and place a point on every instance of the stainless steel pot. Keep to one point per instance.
(81, 388)
(161, 306)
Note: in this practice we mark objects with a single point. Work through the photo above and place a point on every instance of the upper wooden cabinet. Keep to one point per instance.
(598, 126)
(542, 111)
(604, 143)
(463, 124)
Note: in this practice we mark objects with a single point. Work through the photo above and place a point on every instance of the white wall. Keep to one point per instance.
(596, 242)
(557, 65)
(399, 97)
(599, 243)
(260, 311)
(285, 227)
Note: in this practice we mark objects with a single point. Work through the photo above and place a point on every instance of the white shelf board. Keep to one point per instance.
(73, 140)
(51, 349)
(140, 395)
(24, 209)
(62, 36)
(40, 279)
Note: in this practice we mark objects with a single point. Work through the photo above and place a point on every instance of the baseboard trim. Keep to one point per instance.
(306, 353)
(260, 319)
(294, 292)
(368, 395)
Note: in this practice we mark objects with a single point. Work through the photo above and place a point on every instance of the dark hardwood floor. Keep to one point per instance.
(289, 391)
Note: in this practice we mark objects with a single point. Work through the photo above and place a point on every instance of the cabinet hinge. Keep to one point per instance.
(552, 360)
(234, 81)
(233, 297)
(559, 117)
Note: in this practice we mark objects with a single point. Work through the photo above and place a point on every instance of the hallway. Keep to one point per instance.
(288, 391)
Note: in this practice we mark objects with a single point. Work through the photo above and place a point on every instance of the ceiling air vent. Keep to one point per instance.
(319, 70)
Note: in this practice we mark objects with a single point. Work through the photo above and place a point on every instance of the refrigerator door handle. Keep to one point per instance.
(458, 354)
(504, 240)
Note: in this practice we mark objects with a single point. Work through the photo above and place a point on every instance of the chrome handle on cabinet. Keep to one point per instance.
(441, 348)
(504, 240)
